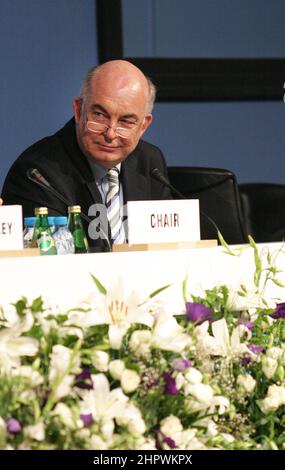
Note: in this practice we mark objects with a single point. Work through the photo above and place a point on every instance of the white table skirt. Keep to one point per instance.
(65, 281)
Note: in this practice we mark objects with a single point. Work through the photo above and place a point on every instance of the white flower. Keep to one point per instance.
(120, 311)
(116, 369)
(132, 419)
(35, 378)
(269, 366)
(62, 361)
(107, 429)
(13, 345)
(275, 352)
(100, 360)
(145, 444)
(66, 416)
(140, 342)
(221, 343)
(168, 335)
(203, 393)
(193, 375)
(275, 398)
(223, 404)
(130, 380)
(102, 403)
(247, 382)
(171, 426)
(269, 404)
(97, 443)
(36, 431)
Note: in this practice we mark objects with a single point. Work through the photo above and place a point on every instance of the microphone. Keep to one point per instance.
(158, 176)
(34, 175)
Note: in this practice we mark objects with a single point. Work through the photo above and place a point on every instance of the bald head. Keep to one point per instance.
(120, 75)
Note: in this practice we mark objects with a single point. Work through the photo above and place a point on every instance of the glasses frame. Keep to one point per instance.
(116, 129)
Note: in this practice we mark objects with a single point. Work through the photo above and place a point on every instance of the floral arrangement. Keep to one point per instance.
(126, 373)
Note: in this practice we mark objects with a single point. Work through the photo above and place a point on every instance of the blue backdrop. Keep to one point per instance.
(47, 46)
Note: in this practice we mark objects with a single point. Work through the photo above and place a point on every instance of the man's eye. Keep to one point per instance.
(127, 122)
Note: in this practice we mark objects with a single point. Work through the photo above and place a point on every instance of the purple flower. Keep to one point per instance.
(249, 324)
(255, 348)
(87, 419)
(84, 379)
(170, 384)
(161, 438)
(198, 313)
(279, 312)
(13, 426)
(181, 364)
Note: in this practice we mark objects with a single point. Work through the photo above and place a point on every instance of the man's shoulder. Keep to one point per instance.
(48, 144)
(147, 147)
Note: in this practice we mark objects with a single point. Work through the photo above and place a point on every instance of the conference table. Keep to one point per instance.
(65, 281)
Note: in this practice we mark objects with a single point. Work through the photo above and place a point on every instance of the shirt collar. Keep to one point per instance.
(98, 171)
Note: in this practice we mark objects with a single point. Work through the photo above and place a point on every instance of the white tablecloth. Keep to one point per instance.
(65, 280)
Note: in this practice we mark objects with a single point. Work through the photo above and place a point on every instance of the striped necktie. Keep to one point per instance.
(113, 206)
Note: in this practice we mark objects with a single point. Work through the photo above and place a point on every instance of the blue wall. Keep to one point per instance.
(47, 45)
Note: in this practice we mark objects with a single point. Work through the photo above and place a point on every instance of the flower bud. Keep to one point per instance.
(130, 380)
(100, 360)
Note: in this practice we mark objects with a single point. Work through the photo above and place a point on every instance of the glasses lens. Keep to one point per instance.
(122, 132)
(96, 126)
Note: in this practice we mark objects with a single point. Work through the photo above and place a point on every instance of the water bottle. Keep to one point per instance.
(51, 224)
(63, 237)
(76, 228)
(29, 223)
(41, 225)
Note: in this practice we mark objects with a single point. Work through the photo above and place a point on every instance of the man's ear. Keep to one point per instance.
(146, 123)
(77, 105)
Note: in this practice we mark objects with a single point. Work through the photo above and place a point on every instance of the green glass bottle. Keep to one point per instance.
(41, 224)
(76, 228)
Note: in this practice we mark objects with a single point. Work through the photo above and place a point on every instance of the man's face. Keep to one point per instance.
(123, 106)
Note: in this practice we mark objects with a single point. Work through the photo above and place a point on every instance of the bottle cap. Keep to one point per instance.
(74, 209)
(41, 211)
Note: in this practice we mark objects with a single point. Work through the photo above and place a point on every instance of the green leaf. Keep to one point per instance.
(184, 288)
(99, 286)
(224, 244)
(154, 293)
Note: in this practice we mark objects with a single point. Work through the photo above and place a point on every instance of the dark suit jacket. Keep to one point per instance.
(60, 160)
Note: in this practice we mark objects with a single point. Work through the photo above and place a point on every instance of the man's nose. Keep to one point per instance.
(111, 133)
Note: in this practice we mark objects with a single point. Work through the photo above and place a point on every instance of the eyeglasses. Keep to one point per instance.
(100, 128)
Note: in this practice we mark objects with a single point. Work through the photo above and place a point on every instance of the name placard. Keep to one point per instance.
(11, 228)
(163, 221)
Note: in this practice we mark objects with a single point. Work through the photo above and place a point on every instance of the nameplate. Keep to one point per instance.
(11, 228)
(163, 221)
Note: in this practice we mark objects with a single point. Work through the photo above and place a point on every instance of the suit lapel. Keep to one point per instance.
(79, 161)
(135, 184)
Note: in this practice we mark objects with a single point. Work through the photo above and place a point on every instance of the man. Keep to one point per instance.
(1, 201)
(110, 116)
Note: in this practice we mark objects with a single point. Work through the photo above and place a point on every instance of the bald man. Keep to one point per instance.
(111, 115)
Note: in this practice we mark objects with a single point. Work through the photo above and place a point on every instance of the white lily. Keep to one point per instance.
(168, 334)
(103, 404)
(12, 345)
(120, 310)
(221, 343)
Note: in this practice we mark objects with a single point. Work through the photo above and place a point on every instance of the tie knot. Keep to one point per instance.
(113, 175)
